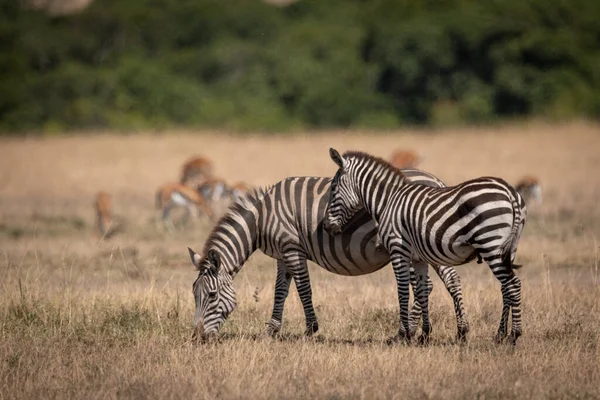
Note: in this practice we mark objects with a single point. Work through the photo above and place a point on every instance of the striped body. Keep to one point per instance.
(480, 218)
(299, 205)
(286, 223)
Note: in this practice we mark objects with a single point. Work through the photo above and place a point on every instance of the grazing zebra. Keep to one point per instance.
(286, 223)
(480, 218)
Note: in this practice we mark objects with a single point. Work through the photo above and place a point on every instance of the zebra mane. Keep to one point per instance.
(361, 155)
(245, 203)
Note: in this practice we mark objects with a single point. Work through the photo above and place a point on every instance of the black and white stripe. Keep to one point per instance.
(286, 223)
(480, 218)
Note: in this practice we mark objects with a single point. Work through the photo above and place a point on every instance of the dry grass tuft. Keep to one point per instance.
(91, 318)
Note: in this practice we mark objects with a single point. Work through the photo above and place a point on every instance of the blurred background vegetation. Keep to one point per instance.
(246, 65)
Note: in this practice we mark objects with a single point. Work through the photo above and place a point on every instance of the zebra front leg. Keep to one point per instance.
(422, 291)
(296, 264)
(401, 267)
(451, 280)
(415, 312)
(282, 287)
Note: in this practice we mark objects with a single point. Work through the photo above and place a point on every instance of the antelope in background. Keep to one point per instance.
(196, 170)
(108, 223)
(529, 188)
(405, 159)
(171, 195)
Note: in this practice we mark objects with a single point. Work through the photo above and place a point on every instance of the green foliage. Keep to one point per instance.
(253, 66)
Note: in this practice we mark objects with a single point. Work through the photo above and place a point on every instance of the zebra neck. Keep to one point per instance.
(375, 194)
(236, 239)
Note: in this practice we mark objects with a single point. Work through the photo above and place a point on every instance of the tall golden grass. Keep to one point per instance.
(85, 317)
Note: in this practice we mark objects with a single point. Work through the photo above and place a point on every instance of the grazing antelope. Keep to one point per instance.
(103, 206)
(405, 159)
(171, 195)
(214, 189)
(529, 188)
(195, 170)
(239, 189)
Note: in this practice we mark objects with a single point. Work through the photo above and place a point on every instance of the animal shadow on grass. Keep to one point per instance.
(321, 339)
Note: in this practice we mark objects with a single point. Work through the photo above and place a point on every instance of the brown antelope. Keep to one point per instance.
(104, 217)
(529, 188)
(172, 195)
(214, 189)
(405, 159)
(239, 189)
(195, 170)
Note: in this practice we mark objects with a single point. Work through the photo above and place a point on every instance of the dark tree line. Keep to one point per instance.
(247, 65)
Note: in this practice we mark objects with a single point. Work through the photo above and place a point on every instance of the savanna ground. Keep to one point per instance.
(90, 318)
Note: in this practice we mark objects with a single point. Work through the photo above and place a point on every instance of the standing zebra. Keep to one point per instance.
(480, 218)
(286, 223)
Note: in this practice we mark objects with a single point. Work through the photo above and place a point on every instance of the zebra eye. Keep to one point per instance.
(212, 294)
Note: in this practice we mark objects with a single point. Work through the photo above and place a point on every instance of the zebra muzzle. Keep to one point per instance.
(198, 334)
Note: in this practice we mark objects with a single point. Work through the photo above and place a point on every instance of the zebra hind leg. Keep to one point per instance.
(296, 264)
(401, 268)
(282, 287)
(451, 280)
(511, 299)
(415, 312)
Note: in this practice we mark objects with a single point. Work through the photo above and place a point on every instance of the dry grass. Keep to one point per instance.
(86, 318)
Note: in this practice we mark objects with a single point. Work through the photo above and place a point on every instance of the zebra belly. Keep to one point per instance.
(442, 252)
(351, 253)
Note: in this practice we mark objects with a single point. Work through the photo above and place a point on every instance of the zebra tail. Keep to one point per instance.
(511, 241)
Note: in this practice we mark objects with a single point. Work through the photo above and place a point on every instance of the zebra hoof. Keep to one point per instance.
(401, 338)
(514, 336)
(461, 335)
(413, 331)
(424, 340)
(273, 328)
(500, 338)
(311, 328)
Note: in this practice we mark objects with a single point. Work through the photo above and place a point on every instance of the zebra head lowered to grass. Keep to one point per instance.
(481, 218)
(214, 295)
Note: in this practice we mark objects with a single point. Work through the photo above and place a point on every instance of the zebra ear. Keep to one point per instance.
(215, 259)
(196, 259)
(336, 157)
